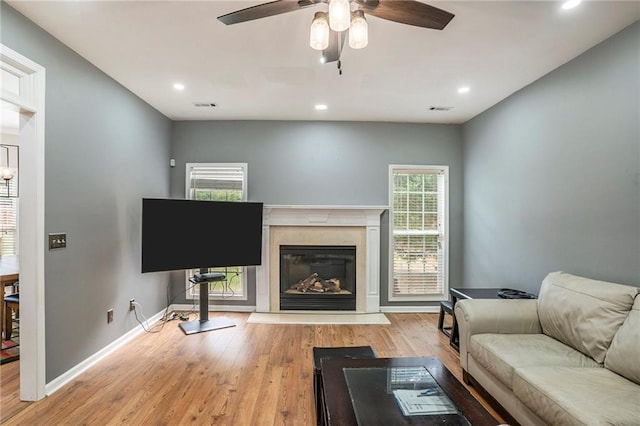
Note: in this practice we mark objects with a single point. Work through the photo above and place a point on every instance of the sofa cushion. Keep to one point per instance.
(623, 355)
(578, 396)
(501, 353)
(583, 313)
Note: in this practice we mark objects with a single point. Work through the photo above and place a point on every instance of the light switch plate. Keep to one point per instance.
(57, 241)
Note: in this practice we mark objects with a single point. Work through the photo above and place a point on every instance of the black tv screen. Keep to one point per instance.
(186, 234)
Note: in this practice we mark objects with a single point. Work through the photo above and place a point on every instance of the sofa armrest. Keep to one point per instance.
(498, 316)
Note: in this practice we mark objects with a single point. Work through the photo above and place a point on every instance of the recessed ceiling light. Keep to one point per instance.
(320, 107)
(178, 86)
(570, 4)
(464, 89)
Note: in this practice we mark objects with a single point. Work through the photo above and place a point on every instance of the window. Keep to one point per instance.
(418, 232)
(219, 182)
(8, 226)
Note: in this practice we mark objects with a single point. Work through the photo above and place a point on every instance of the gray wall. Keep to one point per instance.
(551, 175)
(105, 150)
(323, 163)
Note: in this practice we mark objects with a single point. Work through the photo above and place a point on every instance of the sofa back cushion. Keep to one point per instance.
(583, 313)
(623, 356)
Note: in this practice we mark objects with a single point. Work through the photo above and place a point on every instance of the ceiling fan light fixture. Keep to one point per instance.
(339, 14)
(358, 31)
(319, 35)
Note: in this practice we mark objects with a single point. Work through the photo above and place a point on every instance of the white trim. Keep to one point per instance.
(31, 101)
(419, 298)
(245, 179)
(83, 366)
(23, 69)
(212, 308)
(372, 303)
(366, 217)
(263, 295)
(410, 309)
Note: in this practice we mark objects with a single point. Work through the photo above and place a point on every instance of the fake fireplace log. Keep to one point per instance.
(315, 284)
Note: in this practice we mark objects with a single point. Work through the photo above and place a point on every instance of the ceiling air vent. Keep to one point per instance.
(204, 104)
(440, 108)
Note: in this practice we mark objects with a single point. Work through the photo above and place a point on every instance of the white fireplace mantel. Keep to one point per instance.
(364, 217)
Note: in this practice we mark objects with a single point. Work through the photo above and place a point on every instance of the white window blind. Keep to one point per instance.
(419, 240)
(8, 226)
(219, 182)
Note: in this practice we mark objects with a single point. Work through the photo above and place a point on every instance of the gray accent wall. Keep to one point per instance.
(551, 175)
(322, 163)
(105, 150)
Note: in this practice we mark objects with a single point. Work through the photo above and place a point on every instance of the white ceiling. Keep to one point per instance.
(265, 69)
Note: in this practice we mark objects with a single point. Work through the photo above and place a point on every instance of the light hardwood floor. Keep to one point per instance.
(251, 374)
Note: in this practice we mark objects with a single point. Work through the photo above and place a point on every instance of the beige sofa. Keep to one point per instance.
(572, 357)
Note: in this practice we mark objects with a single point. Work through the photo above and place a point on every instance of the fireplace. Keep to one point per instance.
(325, 226)
(317, 277)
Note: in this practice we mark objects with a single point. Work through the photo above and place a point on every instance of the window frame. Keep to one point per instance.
(391, 297)
(191, 289)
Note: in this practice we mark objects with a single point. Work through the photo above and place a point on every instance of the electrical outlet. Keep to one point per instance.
(109, 316)
(132, 306)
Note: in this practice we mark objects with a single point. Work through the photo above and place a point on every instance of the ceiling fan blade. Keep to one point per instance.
(336, 43)
(264, 10)
(409, 12)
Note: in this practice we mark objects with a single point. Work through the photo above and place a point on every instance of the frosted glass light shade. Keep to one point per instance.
(7, 173)
(339, 14)
(319, 35)
(358, 31)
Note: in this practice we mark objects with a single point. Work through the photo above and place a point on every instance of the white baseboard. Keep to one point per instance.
(212, 308)
(410, 309)
(72, 373)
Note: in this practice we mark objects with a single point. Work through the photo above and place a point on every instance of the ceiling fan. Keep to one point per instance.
(328, 30)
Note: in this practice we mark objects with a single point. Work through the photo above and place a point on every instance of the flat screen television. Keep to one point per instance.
(185, 234)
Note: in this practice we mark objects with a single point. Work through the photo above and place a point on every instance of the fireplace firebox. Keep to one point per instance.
(318, 278)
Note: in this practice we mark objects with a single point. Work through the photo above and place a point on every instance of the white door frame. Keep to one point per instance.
(31, 234)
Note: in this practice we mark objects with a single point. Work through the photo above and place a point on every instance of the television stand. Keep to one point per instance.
(204, 323)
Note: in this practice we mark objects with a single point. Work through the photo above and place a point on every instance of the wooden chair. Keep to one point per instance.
(11, 304)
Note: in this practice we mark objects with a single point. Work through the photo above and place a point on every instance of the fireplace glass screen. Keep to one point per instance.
(318, 278)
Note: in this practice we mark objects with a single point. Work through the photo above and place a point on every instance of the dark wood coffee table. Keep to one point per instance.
(371, 385)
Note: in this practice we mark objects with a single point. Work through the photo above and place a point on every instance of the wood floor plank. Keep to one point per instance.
(10, 403)
(251, 374)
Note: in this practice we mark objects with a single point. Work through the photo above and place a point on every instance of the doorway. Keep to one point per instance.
(22, 89)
